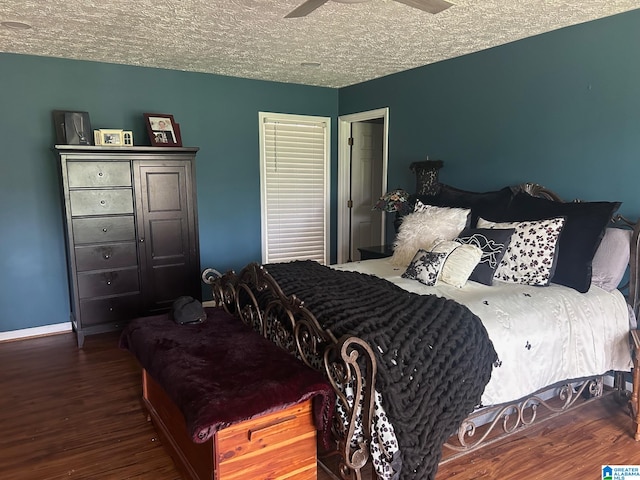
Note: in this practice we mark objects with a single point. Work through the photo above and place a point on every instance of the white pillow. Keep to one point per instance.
(422, 230)
(530, 258)
(611, 259)
(460, 262)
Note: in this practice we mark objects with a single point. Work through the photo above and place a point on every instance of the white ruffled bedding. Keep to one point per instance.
(542, 335)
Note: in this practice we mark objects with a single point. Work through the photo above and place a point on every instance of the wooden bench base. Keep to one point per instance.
(278, 445)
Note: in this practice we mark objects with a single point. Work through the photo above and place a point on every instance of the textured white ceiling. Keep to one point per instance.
(251, 39)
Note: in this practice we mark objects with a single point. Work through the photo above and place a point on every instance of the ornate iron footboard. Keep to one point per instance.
(255, 297)
(491, 424)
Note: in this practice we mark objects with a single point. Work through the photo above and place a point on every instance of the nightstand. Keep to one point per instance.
(635, 396)
(376, 251)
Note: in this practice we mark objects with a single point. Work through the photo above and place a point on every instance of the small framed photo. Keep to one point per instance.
(109, 137)
(163, 130)
(72, 128)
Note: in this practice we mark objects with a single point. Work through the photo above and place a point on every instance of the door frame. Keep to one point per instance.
(344, 178)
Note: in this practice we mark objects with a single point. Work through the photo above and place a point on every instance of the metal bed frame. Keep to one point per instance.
(255, 297)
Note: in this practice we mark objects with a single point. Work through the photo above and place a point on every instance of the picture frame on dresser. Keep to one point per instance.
(163, 130)
(109, 137)
(72, 128)
(127, 138)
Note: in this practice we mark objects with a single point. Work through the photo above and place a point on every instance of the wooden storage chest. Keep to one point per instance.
(277, 445)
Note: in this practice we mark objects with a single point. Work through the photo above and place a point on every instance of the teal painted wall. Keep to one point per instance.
(560, 109)
(218, 114)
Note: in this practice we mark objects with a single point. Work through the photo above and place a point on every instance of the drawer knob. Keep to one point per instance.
(108, 282)
(107, 256)
(100, 174)
(104, 229)
(102, 202)
(142, 240)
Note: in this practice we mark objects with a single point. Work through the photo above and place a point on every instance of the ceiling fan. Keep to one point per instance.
(431, 6)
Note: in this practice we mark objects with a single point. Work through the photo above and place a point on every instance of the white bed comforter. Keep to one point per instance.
(542, 335)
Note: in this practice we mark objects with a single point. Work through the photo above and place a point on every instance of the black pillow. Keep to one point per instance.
(489, 205)
(580, 237)
(493, 242)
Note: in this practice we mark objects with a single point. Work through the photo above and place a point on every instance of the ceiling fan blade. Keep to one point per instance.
(306, 8)
(431, 6)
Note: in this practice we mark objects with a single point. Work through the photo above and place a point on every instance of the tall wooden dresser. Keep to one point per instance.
(131, 231)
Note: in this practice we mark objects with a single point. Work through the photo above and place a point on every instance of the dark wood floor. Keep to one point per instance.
(69, 413)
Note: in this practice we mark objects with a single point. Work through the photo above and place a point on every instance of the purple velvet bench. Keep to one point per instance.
(227, 403)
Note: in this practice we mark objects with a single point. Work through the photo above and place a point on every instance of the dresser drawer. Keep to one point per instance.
(97, 257)
(111, 282)
(104, 229)
(110, 310)
(99, 174)
(101, 202)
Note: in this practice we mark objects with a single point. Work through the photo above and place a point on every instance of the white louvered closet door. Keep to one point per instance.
(294, 183)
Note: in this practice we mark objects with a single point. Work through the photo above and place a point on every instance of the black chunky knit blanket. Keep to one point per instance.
(435, 358)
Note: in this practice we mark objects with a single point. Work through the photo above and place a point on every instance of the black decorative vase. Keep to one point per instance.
(427, 176)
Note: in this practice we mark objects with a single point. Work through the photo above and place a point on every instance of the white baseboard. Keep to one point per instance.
(35, 331)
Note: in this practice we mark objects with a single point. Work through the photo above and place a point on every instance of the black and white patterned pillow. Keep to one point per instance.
(493, 243)
(530, 258)
(425, 267)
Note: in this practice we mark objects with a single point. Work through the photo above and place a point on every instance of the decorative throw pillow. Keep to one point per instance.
(584, 227)
(489, 205)
(425, 267)
(421, 230)
(419, 206)
(611, 259)
(460, 262)
(493, 243)
(530, 258)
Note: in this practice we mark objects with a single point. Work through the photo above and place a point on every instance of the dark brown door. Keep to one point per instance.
(166, 215)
